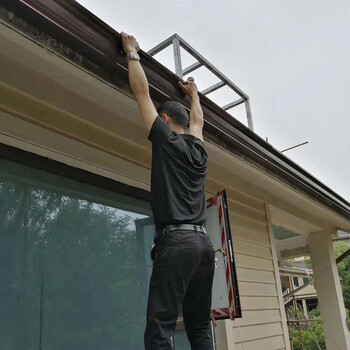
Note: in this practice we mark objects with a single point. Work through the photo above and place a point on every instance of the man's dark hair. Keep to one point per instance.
(176, 111)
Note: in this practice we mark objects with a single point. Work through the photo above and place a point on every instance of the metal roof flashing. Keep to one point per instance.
(97, 47)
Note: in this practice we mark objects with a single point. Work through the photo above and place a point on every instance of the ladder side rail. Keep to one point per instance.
(160, 47)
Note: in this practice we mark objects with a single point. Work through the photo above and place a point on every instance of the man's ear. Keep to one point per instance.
(165, 117)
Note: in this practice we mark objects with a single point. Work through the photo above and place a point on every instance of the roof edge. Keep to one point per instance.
(75, 26)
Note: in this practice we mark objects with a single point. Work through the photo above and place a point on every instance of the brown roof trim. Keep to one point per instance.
(76, 27)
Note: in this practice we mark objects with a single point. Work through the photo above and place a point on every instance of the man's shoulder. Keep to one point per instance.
(193, 138)
(160, 131)
(195, 146)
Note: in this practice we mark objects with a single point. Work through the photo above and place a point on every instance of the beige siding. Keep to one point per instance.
(248, 275)
(259, 303)
(261, 331)
(257, 289)
(252, 249)
(261, 325)
(251, 262)
(255, 317)
(251, 237)
(275, 342)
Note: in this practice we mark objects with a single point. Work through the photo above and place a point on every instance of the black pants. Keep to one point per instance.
(182, 278)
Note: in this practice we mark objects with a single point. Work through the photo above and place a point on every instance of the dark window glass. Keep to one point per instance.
(296, 281)
(73, 270)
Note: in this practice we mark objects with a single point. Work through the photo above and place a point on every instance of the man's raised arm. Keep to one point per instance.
(138, 81)
(196, 114)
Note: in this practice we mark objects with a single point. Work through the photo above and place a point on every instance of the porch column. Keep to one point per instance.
(305, 308)
(329, 291)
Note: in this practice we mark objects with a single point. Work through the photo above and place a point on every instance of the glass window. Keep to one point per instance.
(74, 267)
(296, 281)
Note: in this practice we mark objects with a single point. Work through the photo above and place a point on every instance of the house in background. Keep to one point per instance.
(295, 276)
(292, 249)
(343, 236)
(75, 179)
(291, 280)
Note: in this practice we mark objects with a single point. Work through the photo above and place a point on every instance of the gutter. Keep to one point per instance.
(74, 26)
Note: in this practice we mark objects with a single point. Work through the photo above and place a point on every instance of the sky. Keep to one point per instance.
(292, 58)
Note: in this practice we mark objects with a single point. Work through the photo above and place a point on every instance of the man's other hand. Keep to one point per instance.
(130, 44)
(189, 88)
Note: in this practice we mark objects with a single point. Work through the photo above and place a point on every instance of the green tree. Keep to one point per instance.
(344, 270)
(306, 335)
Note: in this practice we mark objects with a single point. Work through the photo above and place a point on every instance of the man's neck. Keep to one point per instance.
(178, 129)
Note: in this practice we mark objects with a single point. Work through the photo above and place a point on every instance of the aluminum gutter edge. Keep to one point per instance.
(74, 26)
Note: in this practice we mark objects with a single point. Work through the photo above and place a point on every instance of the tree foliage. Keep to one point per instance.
(344, 271)
(306, 335)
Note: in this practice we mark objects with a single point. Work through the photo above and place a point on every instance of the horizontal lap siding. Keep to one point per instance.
(257, 289)
(252, 249)
(268, 343)
(259, 303)
(261, 326)
(252, 262)
(249, 275)
(243, 333)
(255, 317)
(250, 237)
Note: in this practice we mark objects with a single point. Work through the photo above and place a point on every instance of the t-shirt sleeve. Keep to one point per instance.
(200, 144)
(160, 131)
(202, 155)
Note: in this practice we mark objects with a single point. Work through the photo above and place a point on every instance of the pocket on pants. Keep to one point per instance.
(153, 252)
(210, 243)
(159, 253)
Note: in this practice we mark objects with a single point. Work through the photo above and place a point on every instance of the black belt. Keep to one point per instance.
(189, 227)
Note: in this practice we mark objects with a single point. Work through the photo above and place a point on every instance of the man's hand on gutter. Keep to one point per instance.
(196, 114)
(129, 43)
(189, 88)
(138, 81)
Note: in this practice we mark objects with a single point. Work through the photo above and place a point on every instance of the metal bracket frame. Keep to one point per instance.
(177, 42)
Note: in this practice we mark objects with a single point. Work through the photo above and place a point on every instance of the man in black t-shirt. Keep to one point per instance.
(183, 255)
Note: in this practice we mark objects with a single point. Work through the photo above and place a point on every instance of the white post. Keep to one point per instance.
(305, 308)
(329, 291)
(224, 335)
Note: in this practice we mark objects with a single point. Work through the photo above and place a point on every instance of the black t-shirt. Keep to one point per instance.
(179, 167)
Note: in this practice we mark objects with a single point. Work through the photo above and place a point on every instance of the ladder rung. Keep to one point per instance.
(191, 68)
(233, 104)
(213, 88)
